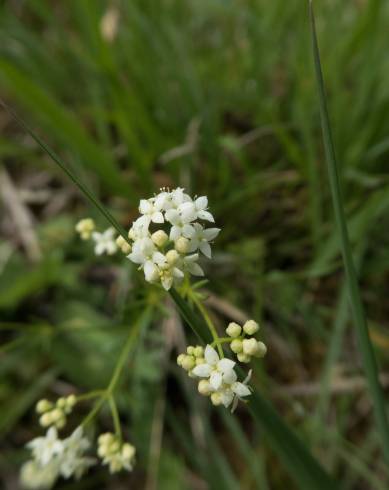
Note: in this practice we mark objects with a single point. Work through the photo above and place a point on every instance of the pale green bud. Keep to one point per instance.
(261, 349)
(200, 360)
(236, 346)
(123, 245)
(172, 257)
(216, 398)
(43, 406)
(188, 363)
(204, 387)
(159, 238)
(190, 350)
(61, 402)
(233, 329)
(250, 346)
(182, 245)
(46, 419)
(180, 359)
(251, 327)
(243, 358)
(199, 351)
(71, 400)
(128, 451)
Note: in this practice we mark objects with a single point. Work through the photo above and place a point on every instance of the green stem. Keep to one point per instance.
(91, 394)
(209, 323)
(365, 346)
(223, 340)
(115, 417)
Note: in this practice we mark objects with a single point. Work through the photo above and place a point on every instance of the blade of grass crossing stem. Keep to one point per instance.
(302, 466)
(65, 168)
(365, 346)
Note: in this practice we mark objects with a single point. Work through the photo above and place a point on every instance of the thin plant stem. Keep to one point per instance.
(209, 322)
(365, 345)
(115, 417)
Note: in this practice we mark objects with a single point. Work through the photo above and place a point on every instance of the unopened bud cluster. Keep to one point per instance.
(55, 414)
(114, 453)
(105, 242)
(245, 348)
(194, 357)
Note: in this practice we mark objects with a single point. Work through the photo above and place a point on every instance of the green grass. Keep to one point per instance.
(239, 75)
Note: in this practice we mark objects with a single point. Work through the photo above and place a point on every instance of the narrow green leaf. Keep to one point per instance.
(365, 346)
(297, 459)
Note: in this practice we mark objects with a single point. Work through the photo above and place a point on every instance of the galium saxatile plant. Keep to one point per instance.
(168, 243)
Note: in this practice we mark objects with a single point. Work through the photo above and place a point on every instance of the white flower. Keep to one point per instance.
(181, 224)
(240, 390)
(151, 211)
(44, 449)
(105, 242)
(73, 461)
(145, 253)
(200, 238)
(190, 264)
(217, 370)
(114, 453)
(197, 209)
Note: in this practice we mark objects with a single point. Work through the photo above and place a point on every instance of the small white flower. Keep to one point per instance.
(217, 370)
(46, 448)
(105, 242)
(241, 390)
(151, 211)
(190, 264)
(73, 461)
(200, 239)
(181, 225)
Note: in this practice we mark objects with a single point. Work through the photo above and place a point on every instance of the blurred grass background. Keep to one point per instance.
(218, 97)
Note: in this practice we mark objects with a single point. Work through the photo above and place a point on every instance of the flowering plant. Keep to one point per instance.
(166, 242)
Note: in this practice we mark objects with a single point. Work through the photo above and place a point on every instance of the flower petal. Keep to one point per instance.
(206, 215)
(215, 380)
(157, 217)
(227, 396)
(211, 356)
(201, 203)
(240, 389)
(225, 365)
(202, 370)
(211, 233)
(229, 377)
(205, 247)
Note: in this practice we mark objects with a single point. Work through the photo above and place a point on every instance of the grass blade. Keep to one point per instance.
(365, 346)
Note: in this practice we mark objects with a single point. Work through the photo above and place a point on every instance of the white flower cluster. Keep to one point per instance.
(114, 453)
(171, 248)
(55, 414)
(220, 380)
(245, 348)
(53, 457)
(105, 242)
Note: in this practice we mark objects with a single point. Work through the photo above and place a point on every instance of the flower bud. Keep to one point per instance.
(182, 245)
(199, 351)
(250, 346)
(60, 423)
(243, 358)
(180, 359)
(159, 238)
(204, 387)
(46, 419)
(71, 400)
(190, 350)
(261, 349)
(236, 346)
(233, 329)
(61, 402)
(56, 414)
(172, 257)
(128, 451)
(123, 245)
(43, 406)
(200, 360)
(188, 363)
(251, 327)
(85, 227)
(216, 398)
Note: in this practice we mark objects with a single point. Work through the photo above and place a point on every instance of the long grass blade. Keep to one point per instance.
(365, 346)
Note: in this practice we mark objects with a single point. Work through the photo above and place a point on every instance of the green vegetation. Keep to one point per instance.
(220, 98)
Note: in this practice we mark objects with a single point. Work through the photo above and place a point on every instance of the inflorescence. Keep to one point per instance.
(165, 240)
